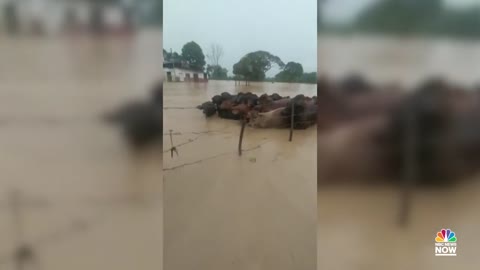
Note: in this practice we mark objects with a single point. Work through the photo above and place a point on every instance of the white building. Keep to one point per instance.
(50, 15)
(174, 73)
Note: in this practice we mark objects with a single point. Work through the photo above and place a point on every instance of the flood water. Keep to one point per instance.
(406, 60)
(357, 227)
(86, 203)
(225, 211)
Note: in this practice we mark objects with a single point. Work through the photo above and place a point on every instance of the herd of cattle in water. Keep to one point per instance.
(430, 133)
(365, 131)
(265, 111)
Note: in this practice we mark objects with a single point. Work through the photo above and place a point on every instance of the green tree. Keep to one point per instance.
(291, 73)
(426, 17)
(171, 56)
(459, 22)
(399, 16)
(309, 78)
(11, 17)
(216, 72)
(193, 55)
(254, 65)
(320, 5)
(156, 12)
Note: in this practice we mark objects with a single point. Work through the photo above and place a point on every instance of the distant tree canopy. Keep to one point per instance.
(171, 56)
(418, 16)
(320, 4)
(465, 22)
(309, 78)
(254, 65)
(216, 72)
(156, 15)
(291, 73)
(193, 55)
(399, 15)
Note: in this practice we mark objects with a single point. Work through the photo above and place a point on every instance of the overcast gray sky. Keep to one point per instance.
(345, 10)
(284, 28)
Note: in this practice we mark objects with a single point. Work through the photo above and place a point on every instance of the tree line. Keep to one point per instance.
(251, 67)
(426, 17)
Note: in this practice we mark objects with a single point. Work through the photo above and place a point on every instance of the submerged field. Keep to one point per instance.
(224, 211)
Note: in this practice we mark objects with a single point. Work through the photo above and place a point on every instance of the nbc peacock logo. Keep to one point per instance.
(446, 243)
(445, 236)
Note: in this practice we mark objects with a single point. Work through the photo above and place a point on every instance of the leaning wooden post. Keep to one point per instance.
(410, 170)
(24, 253)
(244, 122)
(291, 121)
(173, 148)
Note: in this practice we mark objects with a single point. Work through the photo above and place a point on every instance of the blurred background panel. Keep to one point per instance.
(399, 40)
(73, 193)
(398, 135)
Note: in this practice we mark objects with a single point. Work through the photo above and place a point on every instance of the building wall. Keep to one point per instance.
(47, 11)
(181, 74)
(51, 14)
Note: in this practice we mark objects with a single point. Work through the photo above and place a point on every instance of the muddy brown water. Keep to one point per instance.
(406, 60)
(89, 204)
(224, 211)
(86, 202)
(357, 225)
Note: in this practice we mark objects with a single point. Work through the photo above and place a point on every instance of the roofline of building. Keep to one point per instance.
(184, 68)
(188, 69)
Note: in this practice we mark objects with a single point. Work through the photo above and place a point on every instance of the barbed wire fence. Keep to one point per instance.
(243, 123)
(410, 169)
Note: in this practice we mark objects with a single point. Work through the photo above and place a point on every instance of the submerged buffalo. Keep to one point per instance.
(435, 128)
(305, 110)
(304, 114)
(224, 104)
(141, 121)
(271, 119)
(266, 111)
(268, 104)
